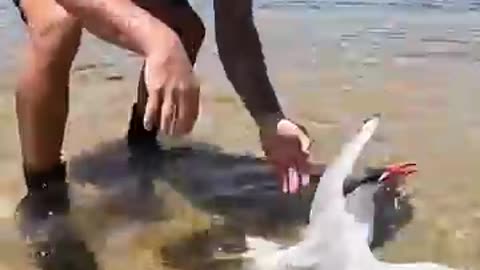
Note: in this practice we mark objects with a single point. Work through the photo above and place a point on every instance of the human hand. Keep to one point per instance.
(173, 93)
(287, 147)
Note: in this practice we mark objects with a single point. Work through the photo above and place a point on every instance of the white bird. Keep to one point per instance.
(337, 237)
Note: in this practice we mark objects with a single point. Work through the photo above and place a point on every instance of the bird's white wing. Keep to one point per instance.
(333, 234)
(329, 192)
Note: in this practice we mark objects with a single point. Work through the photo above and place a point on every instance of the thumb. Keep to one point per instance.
(305, 144)
(304, 138)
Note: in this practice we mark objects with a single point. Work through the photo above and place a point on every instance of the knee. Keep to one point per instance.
(50, 53)
(54, 44)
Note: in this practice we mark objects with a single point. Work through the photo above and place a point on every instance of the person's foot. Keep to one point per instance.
(41, 217)
(47, 197)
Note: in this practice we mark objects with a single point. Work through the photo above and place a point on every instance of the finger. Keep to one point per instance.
(151, 109)
(153, 82)
(294, 181)
(306, 145)
(302, 155)
(173, 123)
(305, 179)
(302, 164)
(285, 184)
(305, 168)
(188, 108)
(302, 176)
(305, 141)
(282, 173)
(168, 110)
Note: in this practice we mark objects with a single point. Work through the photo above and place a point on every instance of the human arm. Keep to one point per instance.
(241, 54)
(172, 103)
(285, 143)
(121, 22)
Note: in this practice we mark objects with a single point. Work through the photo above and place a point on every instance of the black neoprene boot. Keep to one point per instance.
(42, 220)
(139, 139)
(47, 196)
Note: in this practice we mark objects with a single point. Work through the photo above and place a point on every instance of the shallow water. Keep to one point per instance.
(332, 66)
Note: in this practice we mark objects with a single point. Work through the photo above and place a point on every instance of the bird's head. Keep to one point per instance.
(392, 178)
(392, 203)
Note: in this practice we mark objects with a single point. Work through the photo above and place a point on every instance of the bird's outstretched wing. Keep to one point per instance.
(332, 234)
(329, 192)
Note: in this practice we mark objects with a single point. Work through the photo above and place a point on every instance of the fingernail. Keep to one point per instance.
(296, 182)
(172, 131)
(147, 124)
(305, 179)
(293, 183)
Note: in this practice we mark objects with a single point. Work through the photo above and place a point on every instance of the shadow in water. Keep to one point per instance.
(239, 193)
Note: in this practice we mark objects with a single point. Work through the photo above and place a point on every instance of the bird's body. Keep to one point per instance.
(339, 230)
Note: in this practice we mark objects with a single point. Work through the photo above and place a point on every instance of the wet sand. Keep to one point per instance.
(331, 70)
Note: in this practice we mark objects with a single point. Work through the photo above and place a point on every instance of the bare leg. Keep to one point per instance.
(42, 108)
(42, 92)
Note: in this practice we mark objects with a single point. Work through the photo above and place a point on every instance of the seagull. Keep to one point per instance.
(336, 237)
